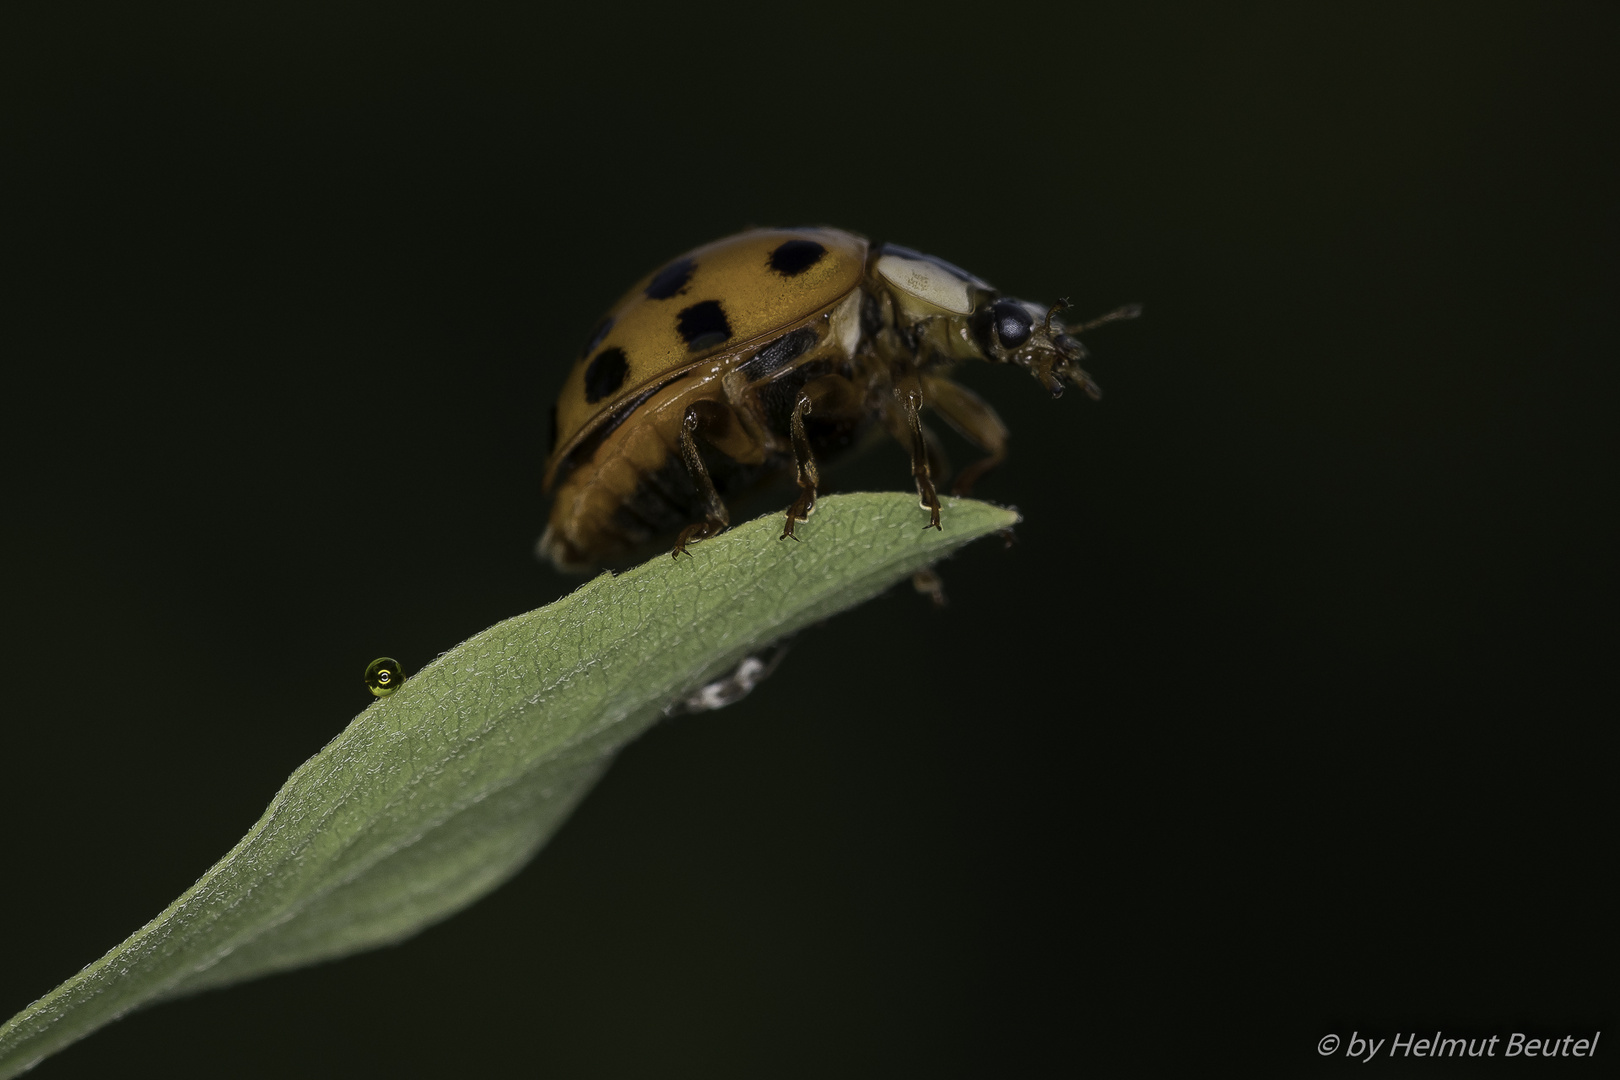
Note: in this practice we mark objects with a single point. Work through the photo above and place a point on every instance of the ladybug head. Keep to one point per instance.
(1018, 332)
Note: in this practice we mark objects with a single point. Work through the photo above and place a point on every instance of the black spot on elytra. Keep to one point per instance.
(552, 449)
(670, 281)
(703, 325)
(597, 335)
(606, 374)
(796, 256)
(779, 353)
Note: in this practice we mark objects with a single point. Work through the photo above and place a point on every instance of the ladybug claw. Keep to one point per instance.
(701, 530)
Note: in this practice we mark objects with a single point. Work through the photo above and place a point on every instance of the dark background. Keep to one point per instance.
(1285, 716)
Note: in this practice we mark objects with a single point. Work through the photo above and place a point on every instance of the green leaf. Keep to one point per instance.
(439, 792)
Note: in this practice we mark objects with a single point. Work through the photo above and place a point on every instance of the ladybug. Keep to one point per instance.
(764, 354)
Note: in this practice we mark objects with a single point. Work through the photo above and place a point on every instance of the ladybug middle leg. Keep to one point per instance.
(903, 417)
(830, 396)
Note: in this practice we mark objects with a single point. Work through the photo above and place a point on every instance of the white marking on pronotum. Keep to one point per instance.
(928, 282)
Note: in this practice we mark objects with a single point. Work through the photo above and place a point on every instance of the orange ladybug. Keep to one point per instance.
(764, 354)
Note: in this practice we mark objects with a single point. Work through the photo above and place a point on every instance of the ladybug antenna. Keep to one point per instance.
(1129, 311)
(1063, 302)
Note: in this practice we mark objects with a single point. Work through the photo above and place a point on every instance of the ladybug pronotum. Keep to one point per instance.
(761, 355)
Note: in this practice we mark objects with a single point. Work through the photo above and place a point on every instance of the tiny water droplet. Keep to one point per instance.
(383, 676)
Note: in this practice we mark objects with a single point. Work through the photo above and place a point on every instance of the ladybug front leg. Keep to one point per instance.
(974, 420)
(712, 419)
(829, 395)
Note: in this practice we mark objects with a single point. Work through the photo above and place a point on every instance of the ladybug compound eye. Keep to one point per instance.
(1013, 323)
(384, 676)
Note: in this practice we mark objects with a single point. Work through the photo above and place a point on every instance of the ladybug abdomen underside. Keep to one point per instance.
(665, 499)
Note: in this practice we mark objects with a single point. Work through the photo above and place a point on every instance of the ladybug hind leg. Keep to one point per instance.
(713, 420)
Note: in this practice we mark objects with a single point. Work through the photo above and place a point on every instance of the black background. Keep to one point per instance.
(1287, 715)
